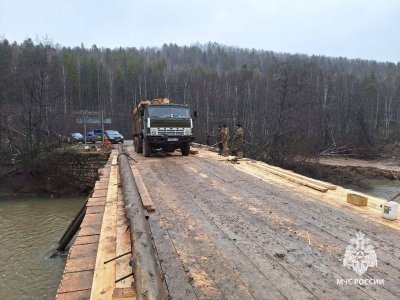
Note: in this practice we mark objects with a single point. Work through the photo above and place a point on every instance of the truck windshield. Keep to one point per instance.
(168, 112)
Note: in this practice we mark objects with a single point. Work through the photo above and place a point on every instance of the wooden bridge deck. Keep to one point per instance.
(230, 231)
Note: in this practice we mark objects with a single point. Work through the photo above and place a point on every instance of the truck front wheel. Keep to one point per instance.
(146, 149)
(138, 144)
(185, 148)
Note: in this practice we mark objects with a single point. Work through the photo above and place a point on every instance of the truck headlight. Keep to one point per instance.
(153, 131)
(187, 131)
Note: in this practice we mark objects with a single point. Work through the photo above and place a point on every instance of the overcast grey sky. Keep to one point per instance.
(368, 29)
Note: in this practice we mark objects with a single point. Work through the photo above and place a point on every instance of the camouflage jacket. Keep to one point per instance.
(224, 135)
(219, 136)
(238, 139)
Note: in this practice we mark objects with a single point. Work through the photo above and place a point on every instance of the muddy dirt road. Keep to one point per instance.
(221, 233)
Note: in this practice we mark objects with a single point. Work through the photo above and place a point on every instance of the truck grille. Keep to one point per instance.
(170, 131)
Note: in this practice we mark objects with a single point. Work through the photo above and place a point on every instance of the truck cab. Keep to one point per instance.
(162, 126)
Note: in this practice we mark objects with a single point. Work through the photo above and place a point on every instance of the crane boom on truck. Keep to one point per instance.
(159, 124)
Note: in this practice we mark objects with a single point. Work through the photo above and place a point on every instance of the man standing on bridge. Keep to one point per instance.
(219, 140)
(237, 147)
(224, 140)
(207, 134)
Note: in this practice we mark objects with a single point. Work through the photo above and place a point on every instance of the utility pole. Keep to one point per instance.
(84, 128)
(102, 125)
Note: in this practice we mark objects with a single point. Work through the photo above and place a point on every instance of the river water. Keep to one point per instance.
(29, 231)
(382, 188)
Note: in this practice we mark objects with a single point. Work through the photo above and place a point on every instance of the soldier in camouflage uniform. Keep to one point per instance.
(207, 134)
(219, 140)
(237, 147)
(224, 139)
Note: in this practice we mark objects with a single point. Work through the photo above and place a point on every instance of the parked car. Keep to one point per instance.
(99, 134)
(90, 137)
(76, 137)
(114, 136)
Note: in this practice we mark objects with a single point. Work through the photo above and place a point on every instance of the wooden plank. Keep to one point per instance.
(96, 209)
(104, 173)
(92, 219)
(144, 193)
(99, 193)
(357, 199)
(122, 264)
(90, 230)
(124, 293)
(88, 239)
(98, 199)
(101, 185)
(94, 203)
(102, 181)
(76, 281)
(77, 295)
(290, 178)
(80, 264)
(327, 185)
(80, 251)
(104, 274)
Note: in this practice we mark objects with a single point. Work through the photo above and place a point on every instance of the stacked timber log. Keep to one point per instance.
(156, 101)
(294, 177)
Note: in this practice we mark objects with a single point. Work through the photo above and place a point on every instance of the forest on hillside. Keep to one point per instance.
(290, 105)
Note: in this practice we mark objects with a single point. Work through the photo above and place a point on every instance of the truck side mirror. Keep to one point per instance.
(195, 113)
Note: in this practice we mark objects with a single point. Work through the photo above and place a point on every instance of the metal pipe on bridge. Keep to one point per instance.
(148, 282)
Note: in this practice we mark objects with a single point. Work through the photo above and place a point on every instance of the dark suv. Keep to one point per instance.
(114, 136)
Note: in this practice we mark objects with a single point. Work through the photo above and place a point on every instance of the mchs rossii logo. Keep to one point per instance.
(359, 256)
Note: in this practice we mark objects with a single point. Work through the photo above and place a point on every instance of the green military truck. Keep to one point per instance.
(158, 124)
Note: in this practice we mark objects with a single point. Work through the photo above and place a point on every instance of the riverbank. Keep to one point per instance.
(351, 170)
(62, 172)
(379, 177)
